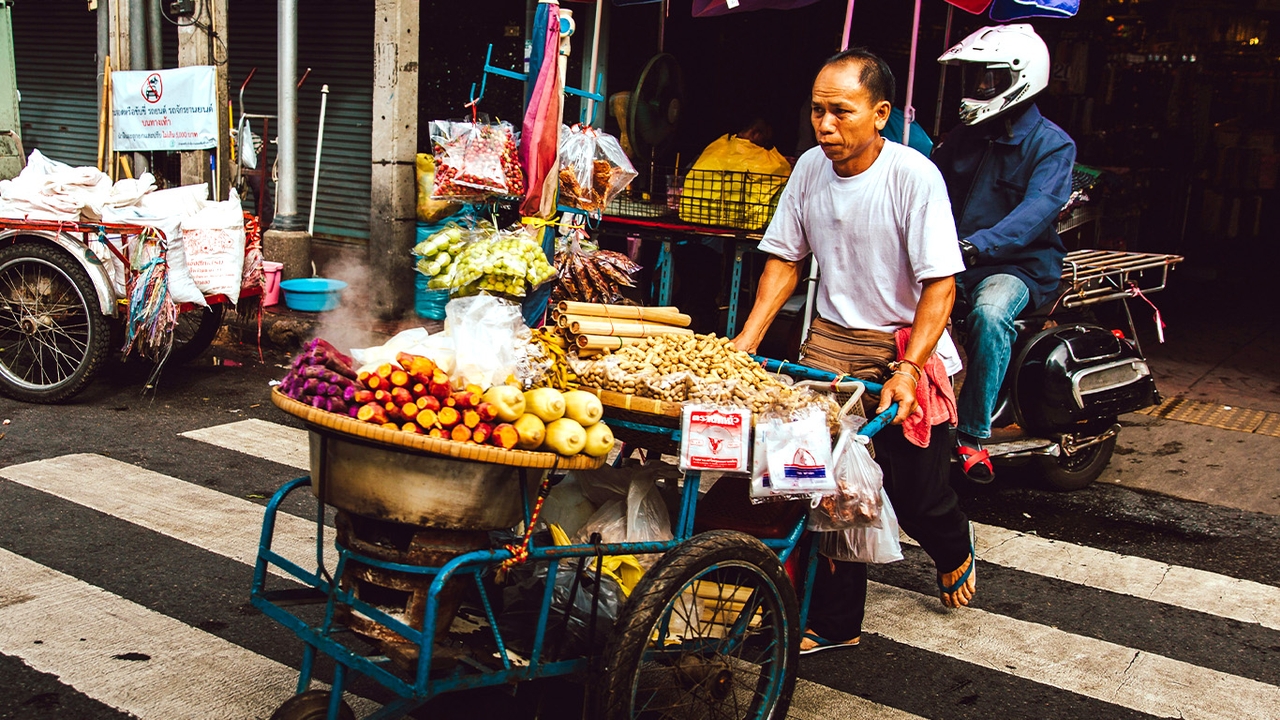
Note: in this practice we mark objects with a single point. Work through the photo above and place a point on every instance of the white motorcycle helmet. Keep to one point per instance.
(1001, 66)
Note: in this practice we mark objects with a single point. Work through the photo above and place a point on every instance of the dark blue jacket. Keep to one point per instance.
(1008, 180)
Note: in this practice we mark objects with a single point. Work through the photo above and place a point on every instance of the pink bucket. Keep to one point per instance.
(272, 270)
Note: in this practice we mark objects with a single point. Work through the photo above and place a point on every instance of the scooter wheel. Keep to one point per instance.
(1075, 472)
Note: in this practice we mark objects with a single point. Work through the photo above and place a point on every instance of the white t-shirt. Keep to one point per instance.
(876, 236)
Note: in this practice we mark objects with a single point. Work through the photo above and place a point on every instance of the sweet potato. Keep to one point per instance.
(372, 413)
(401, 396)
(410, 427)
(427, 418)
(363, 396)
(460, 433)
(470, 418)
(399, 378)
(504, 436)
(336, 405)
(448, 417)
(428, 402)
(409, 410)
(481, 433)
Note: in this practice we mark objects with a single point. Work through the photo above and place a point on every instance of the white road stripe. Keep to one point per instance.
(85, 635)
(1189, 588)
(260, 439)
(1184, 587)
(1112, 673)
(208, 519)
(814, 701)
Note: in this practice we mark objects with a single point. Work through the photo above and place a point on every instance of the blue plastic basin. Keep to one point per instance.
(312, 294)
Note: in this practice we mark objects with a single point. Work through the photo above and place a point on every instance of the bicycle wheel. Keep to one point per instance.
(194, 332)
(52, 335)
(711, 632)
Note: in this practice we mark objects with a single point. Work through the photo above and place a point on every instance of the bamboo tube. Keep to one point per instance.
(606, 326)
(566, 323)
(667, 315)
(102, 111)
(604, 342)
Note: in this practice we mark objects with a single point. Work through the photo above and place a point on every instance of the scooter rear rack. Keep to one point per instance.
(1097, 276)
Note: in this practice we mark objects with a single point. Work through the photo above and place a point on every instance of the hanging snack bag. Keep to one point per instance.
(593, 168)
(799, 455)
(714, 438)
(475, 161)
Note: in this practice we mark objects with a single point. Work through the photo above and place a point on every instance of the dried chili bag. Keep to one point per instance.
(593, 168)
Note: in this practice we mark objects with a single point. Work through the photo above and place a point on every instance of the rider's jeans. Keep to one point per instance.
(994, 303)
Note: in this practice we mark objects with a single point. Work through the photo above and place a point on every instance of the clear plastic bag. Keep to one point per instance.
(593, 168)
(475, 161)
(799, 455)
(859, 480)
(485, 332)
(878, 545)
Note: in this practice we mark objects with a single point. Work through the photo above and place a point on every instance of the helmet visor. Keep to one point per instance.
(983, 82)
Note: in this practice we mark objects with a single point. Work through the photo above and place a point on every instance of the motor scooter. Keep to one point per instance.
(1069, 379)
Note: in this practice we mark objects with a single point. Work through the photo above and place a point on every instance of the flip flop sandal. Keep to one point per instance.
(971, 458)
(971, 571)
(825, 644)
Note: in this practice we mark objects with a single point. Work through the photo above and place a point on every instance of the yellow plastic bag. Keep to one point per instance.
(624, 569)
(734, 183)
(430, 211)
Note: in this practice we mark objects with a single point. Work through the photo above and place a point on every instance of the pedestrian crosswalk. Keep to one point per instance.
(93, 640)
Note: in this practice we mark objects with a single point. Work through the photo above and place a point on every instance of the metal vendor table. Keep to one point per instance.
(669, 230)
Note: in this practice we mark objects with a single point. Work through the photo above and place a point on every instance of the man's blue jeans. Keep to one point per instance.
(994, 304)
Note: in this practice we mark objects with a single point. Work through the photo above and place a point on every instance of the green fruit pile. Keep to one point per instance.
(436, 255)
(506, 264)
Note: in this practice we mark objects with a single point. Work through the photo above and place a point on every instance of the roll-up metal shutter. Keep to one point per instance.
(55, 47)
(335, 40)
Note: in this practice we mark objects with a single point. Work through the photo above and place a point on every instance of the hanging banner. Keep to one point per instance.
(165, 109)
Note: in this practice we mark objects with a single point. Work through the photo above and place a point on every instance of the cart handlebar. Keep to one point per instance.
(804, 372)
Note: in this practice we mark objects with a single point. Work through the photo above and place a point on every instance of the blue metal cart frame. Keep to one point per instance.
(322, 588)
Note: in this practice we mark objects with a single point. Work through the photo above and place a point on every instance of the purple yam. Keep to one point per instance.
(320, 401)
(337, 406)
(310, 385)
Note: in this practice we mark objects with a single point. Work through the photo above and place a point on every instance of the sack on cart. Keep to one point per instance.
(859, 482)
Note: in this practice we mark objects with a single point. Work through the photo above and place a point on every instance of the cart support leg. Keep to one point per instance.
(308, 664)
(335, 695)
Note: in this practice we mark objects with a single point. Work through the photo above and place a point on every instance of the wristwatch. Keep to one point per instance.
(969, 252)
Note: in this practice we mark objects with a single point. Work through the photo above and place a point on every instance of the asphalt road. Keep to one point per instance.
(124, 584)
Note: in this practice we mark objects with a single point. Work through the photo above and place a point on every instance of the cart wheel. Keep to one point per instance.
(52, 337)
(194, 332)
(311, 705)
(712, 631)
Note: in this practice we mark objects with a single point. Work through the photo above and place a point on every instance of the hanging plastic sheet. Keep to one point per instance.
(711, 8)
(1006, 10)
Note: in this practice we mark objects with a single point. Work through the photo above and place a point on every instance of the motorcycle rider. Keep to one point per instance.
(1008, 173)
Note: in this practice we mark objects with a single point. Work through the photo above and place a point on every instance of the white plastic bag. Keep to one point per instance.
(214, 243)
(415, 341)
(878, 545)
(799, 456)
(859, 480)
(485, 331)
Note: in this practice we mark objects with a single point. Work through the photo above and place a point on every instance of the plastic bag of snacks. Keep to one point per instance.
(506, 264)
(593, 168)
(475, 161)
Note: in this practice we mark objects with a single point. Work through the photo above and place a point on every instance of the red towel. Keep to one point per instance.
(935, 399)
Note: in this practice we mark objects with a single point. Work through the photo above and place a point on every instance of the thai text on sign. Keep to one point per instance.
(172, 109)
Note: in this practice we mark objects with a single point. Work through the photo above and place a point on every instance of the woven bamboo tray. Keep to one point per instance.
(632, 403)
(429, 445)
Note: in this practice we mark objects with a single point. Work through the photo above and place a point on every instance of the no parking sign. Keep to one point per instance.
(165, 109)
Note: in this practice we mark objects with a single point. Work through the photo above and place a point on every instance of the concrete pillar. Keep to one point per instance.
(194, 49)
(393, 201)
(287, 241)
